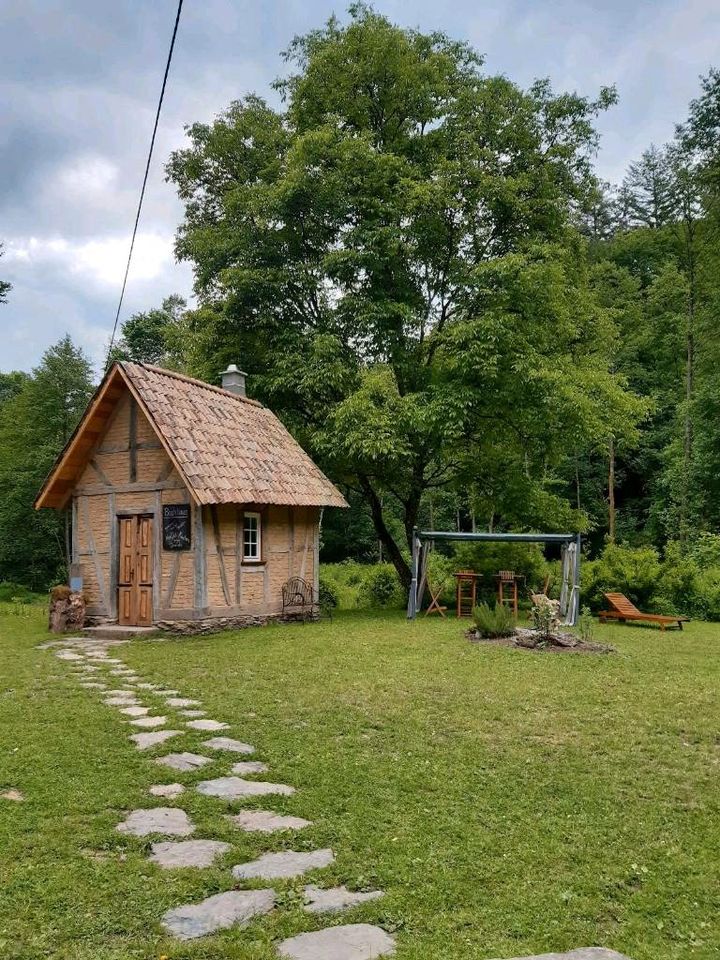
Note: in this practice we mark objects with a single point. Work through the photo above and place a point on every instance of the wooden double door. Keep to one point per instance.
(135, 571)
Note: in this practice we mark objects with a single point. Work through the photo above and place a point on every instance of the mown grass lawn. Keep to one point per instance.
(508, 802)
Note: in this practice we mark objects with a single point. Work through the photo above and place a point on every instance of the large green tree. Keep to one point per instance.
(390, 255)
(152, 336)
(36, 420)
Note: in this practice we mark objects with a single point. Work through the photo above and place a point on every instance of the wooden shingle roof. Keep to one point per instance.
(227, 448)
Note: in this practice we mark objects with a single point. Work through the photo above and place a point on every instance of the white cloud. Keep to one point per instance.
(99, 261)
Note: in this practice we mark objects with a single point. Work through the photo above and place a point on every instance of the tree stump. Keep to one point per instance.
(67, 610)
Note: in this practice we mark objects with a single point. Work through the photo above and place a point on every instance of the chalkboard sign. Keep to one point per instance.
(176, 526)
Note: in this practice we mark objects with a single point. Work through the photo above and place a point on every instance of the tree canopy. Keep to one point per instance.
(391, 255)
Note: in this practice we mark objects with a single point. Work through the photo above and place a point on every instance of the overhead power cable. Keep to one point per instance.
(144, 182)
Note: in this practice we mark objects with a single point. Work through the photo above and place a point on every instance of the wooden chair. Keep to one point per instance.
(297, 599)
(507, 589)
(623, 609)
(435, 605)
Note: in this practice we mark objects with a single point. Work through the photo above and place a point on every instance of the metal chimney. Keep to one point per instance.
(234, 380)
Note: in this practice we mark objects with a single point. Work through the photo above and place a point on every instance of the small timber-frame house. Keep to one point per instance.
(191, 505)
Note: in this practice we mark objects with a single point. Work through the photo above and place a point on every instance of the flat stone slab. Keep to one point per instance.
(287, 863)
(166, 693)
(266, 821)
(336, 899)
(91, 685)
(182, 702)
(192, 713)
(167, 789)
(147, 686)
(230, 788)
(206, 724)
(143, 741)
(582, 953)
(121, 701)
(126, 692)
(149, 722)
(227, 743)
(223, 910)
(171, 855)
(171, 821)
(249, 766)
(355, 941)
(135, 711)
(184, 761)
(12, 794)
(68, 655)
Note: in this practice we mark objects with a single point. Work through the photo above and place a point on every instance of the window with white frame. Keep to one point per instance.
(252, 548)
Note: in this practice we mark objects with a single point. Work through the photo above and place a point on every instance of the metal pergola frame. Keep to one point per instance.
(571, 544)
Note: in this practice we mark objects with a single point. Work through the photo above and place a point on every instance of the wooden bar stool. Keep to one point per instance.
(507, 583)
(466, 591)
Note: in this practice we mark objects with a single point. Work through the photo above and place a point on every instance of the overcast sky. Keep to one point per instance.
(79, 81)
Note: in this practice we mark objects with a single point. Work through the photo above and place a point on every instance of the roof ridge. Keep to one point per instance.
(192, 380)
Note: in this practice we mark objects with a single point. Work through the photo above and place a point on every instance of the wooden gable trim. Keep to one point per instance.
(168, 450)
(80, 448)
(57, 488)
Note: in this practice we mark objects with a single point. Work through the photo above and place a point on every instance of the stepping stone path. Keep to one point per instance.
(336, 899)
(230, 788)
(170, 821)
(583, 953)
(182, 702)
(356, 941)
(143, 741)
(233, 907)
(227, 743)
(249, 766)
(149, 722)
(207, 725)
(266, 821)
(223, 910)
(167, 790)
(187, 853)
(288, 863)
(183, 761)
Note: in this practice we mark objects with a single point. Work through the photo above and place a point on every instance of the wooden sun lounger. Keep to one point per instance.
(623, 609)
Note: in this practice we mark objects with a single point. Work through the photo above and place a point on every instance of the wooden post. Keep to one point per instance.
(412, 596)
(200, 581)
(132, 441)
(114, 558)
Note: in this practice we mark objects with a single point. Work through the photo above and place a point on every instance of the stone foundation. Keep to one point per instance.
(214, 624)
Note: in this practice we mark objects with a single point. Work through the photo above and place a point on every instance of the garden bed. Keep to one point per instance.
(532, 640)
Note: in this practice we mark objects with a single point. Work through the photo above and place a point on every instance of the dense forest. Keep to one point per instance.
(423, 276)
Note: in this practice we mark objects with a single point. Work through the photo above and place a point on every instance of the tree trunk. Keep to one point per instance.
(391, 548)
(611, 491)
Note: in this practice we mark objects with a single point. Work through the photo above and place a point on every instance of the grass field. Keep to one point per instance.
(508, 802)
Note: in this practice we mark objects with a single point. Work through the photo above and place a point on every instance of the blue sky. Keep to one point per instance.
(78, 86)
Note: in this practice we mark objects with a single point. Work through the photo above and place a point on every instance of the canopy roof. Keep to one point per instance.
(226, 447)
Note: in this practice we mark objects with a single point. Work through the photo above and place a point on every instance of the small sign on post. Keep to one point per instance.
(176, 526)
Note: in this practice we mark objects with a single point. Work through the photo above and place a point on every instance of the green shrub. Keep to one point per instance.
(10, 591)
(586, 625)
(634, 571)
(705, 550)
(328, 596)
(381, 588)
(497, 621)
